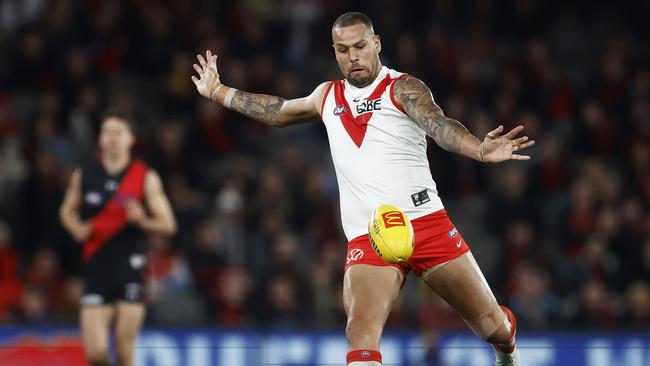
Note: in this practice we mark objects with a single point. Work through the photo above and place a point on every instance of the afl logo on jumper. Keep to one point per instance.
(340, 110)
(354, 254)
(93, 198)
(453, 232)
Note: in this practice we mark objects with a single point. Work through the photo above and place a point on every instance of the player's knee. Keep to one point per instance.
(506, 328)
(494, 327)
(363, 332)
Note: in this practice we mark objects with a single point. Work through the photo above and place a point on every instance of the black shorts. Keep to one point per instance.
(122, 283)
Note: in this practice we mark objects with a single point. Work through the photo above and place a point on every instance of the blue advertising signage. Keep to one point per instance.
(209, 347)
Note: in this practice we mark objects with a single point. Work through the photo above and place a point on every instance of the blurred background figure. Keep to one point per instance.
(110, 204)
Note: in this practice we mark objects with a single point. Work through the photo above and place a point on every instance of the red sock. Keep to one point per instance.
(362, 355)
(509, 346)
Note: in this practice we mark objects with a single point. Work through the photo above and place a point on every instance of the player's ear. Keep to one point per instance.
(377, 41)
(131, 139)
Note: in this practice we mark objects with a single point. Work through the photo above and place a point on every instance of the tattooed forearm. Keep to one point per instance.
(447, 132)
(261, 107)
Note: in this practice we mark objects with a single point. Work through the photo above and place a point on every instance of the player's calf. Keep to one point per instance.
(506, 351)
(124, 348)
(498, 327)
(362, 333)
(503, 339)
(369, 292)
(95, 335)
(363, 337)
(124, 352)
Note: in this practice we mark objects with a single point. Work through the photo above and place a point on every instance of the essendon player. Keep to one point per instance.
(104, 208)
(376, 120)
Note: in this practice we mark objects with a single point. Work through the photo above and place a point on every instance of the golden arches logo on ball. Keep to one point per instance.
(391, 234)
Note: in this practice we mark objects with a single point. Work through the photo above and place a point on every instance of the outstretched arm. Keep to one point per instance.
(269, 109)
(417, 100)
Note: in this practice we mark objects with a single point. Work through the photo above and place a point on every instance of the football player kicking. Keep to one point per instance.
(377, 120)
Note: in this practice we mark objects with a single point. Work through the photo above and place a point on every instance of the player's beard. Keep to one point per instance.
(360, 81)
(363, 80)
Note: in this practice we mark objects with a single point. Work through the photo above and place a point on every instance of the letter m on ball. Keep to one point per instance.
(393, 218)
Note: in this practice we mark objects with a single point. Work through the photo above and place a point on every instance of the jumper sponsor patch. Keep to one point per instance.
(369, 106)
(420, 198)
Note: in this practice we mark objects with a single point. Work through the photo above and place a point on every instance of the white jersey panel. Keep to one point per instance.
(385, 164)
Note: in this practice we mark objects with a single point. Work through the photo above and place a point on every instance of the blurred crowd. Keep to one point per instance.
(564, 239)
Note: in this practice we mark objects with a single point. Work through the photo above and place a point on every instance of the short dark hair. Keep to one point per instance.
(353, 18)
(121, 115)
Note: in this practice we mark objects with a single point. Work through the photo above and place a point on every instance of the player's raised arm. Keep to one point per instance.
(269, 109)
(417, 100)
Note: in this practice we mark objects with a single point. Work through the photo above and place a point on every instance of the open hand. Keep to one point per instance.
(208, 82)
(496, 148)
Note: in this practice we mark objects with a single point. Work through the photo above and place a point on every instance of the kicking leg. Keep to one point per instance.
(368, 296)
(461, 283)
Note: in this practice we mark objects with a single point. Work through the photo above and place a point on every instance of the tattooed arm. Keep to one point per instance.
(275, 111)
(269, 109)
(416, 99)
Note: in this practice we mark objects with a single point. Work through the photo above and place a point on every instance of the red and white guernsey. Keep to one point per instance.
(379, 153)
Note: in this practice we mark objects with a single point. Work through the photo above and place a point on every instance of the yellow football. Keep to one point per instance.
(391, 234)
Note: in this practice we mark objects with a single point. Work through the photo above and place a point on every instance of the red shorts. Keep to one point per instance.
(436, 241)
